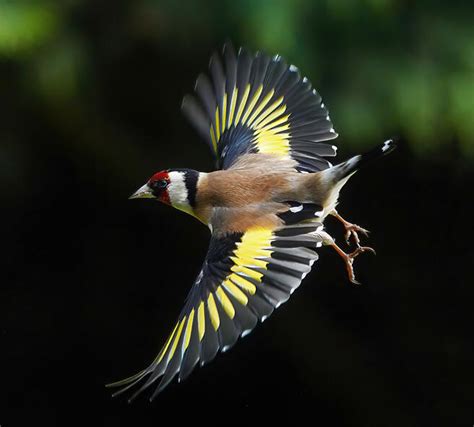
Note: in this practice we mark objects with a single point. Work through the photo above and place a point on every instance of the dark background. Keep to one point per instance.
(93, 282)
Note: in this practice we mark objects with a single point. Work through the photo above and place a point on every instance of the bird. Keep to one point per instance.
(265, 204)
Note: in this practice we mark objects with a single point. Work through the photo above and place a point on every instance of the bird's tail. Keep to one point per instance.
(349, 167)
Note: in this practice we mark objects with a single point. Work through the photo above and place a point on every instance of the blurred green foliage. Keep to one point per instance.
(24, 27)
(384, 67)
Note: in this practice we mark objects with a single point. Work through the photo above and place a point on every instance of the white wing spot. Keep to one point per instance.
(295, 209)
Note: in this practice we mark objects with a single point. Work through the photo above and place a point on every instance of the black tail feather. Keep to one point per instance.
(350, 166)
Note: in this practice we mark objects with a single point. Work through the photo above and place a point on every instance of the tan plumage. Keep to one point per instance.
(255, 189)
(265, 206)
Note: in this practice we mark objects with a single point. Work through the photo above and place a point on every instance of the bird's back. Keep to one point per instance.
(256, 179)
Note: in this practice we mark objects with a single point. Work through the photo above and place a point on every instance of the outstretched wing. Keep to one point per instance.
(257, 103)
(245, 276)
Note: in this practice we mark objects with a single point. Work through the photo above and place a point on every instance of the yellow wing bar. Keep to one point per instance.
(223, 305)
(268, 123)
(260, 103)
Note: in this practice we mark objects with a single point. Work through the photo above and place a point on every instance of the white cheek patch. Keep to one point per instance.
(178, 192)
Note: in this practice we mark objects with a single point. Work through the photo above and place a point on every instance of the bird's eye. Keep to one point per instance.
(162, 183)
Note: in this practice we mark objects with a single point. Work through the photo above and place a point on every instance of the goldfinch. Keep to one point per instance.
(265, 205)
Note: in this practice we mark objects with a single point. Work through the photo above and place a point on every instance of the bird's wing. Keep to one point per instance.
(258, 103)
(244, 277)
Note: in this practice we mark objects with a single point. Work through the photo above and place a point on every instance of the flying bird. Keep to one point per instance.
(265, 205)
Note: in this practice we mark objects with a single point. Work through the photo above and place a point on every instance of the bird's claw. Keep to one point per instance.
(349, 259)
(352, 230)
(361, 250)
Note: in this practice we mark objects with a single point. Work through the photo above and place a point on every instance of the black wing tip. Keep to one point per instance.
(215, 59)
(228, 46)
(126, 385)
(142, 388)
(186, 100)
(199, 78)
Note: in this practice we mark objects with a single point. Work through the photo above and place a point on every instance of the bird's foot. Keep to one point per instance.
(352, 230)
(349, 259)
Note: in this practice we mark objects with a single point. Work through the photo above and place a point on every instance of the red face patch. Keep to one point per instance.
(159, 186)
(159, 175)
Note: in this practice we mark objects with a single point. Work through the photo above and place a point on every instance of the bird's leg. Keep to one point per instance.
(351, 229)
(348, 258)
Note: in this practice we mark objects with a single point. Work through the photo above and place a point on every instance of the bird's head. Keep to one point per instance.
(175, 187)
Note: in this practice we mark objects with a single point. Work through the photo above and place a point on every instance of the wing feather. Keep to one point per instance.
(245, 276)
(258, 103)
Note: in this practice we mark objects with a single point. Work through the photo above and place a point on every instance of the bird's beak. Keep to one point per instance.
(142, 193)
